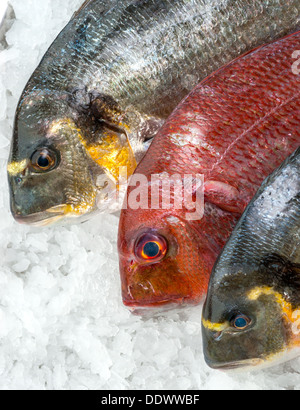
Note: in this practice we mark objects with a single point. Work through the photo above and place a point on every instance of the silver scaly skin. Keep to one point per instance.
(251, 314)
(107, 84)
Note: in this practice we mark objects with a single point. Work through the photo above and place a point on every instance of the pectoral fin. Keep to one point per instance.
(111, 154)
(105, 132)
(224, 196)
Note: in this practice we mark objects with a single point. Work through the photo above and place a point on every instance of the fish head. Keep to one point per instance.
(247, 322)
(64, 162)
(49, 171)
(160, 260)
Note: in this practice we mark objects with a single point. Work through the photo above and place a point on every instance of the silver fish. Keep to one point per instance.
(252, 311)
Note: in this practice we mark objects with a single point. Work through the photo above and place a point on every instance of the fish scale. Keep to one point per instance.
(214, 111)
(235, 128)
(135, 58)
(253, 300)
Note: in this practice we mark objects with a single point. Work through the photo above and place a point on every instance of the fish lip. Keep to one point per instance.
(154, 307)
(161, 304)
(38, 219)
(243, 364)
(134, 303)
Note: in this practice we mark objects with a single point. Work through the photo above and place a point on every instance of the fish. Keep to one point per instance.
(234, 129)
(252, 311)
(106, 86)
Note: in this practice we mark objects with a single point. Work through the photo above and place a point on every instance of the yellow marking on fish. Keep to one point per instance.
(215, 327)
(47, 222)
(291, 316)
(82, 209)
(74, 210)
(111, 154)
(286, 307)
(273, 357)
(16, 168)
(86, 196)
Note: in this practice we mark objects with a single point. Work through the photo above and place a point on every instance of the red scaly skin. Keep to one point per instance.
(236, 128)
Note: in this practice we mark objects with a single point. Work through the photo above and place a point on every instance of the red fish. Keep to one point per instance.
(235, 128)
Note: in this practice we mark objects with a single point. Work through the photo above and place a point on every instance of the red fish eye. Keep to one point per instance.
(151, 247)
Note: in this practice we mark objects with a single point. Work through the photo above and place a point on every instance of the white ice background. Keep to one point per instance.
(62, 322)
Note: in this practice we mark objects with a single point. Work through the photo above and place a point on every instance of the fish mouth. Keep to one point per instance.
(51, 216)
(142, 309)
(254, 364)
(39, 219)
(234, 366)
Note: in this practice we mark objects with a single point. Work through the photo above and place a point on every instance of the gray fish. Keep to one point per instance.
(251, 315)
(107, 84)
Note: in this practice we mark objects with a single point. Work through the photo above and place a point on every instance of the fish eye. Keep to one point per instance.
(150, 247)
(240, 322)
(43, 160)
